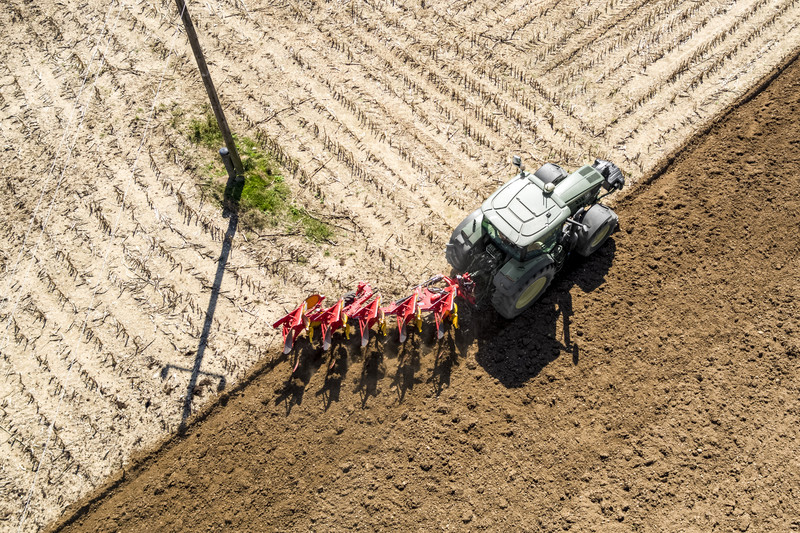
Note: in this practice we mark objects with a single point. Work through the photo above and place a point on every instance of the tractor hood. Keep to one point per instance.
(523, 212)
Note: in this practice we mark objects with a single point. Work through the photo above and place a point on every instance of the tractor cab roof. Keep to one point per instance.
(523, 212)
(526, 209)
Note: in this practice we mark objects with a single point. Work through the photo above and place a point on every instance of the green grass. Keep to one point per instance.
(204, 131)
(314, 229)
(265, 199)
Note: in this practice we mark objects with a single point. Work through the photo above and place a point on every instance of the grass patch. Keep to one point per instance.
(204, 131)
(314, 229)
(264, 198)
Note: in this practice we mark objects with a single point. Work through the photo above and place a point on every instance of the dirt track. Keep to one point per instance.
(655, 387)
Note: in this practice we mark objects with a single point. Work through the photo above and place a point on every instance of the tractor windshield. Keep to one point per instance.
(503, 242)
(518, 253)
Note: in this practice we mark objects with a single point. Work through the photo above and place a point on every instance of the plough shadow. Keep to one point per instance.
(373, 369)
(294, 388)
(444, 361)
(336, 370)
(373, 358)
(409, 355)
(514, 351)
(408, 364)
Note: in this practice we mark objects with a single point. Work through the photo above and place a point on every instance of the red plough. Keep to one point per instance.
(337, 317)
(405, 309)
(428, 298)
(441, 301)
(365, 306)
(328, 320)
(296, 321)
(368, 315)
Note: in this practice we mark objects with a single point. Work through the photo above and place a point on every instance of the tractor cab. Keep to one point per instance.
(524, 216)
(520, 253)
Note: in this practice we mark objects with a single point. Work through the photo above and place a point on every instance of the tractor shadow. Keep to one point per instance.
(514, 351)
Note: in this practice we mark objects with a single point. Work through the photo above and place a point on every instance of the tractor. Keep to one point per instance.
(519, 238)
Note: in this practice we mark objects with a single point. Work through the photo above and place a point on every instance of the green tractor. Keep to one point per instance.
(515, 242)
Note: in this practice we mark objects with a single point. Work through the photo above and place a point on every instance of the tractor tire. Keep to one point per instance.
(459, 251)
(524, 293)
(601, 222)
(349, 297)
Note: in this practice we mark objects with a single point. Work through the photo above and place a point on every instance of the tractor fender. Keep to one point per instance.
(466, 241)
(514, 271)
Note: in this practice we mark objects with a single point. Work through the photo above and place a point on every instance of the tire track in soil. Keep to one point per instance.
(656, 383)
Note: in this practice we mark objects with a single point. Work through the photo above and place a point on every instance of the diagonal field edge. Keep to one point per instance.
(140, 462)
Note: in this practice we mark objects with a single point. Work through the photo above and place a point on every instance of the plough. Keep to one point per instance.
(436, 296)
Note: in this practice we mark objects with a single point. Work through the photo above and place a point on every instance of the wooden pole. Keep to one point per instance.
(212, 92)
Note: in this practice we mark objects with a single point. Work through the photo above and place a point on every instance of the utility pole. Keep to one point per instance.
(212, 92)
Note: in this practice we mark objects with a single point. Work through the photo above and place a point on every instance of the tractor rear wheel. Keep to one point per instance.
(523, 294)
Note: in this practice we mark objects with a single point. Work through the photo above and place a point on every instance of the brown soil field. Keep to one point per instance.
(129, 298)
(655, 387)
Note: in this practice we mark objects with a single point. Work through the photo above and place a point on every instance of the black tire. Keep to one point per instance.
(459, 252)
(601, 222)
(349, 297)
(524, 293)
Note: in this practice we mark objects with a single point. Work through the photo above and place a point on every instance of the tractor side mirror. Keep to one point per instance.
(517, 162)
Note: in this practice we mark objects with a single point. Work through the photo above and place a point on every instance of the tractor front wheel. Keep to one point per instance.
(524, 294)
(600, 222)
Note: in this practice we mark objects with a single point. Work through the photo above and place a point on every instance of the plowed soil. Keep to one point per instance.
(655, 387)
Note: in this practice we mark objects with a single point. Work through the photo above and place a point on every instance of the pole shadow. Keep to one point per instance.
(233, 192)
